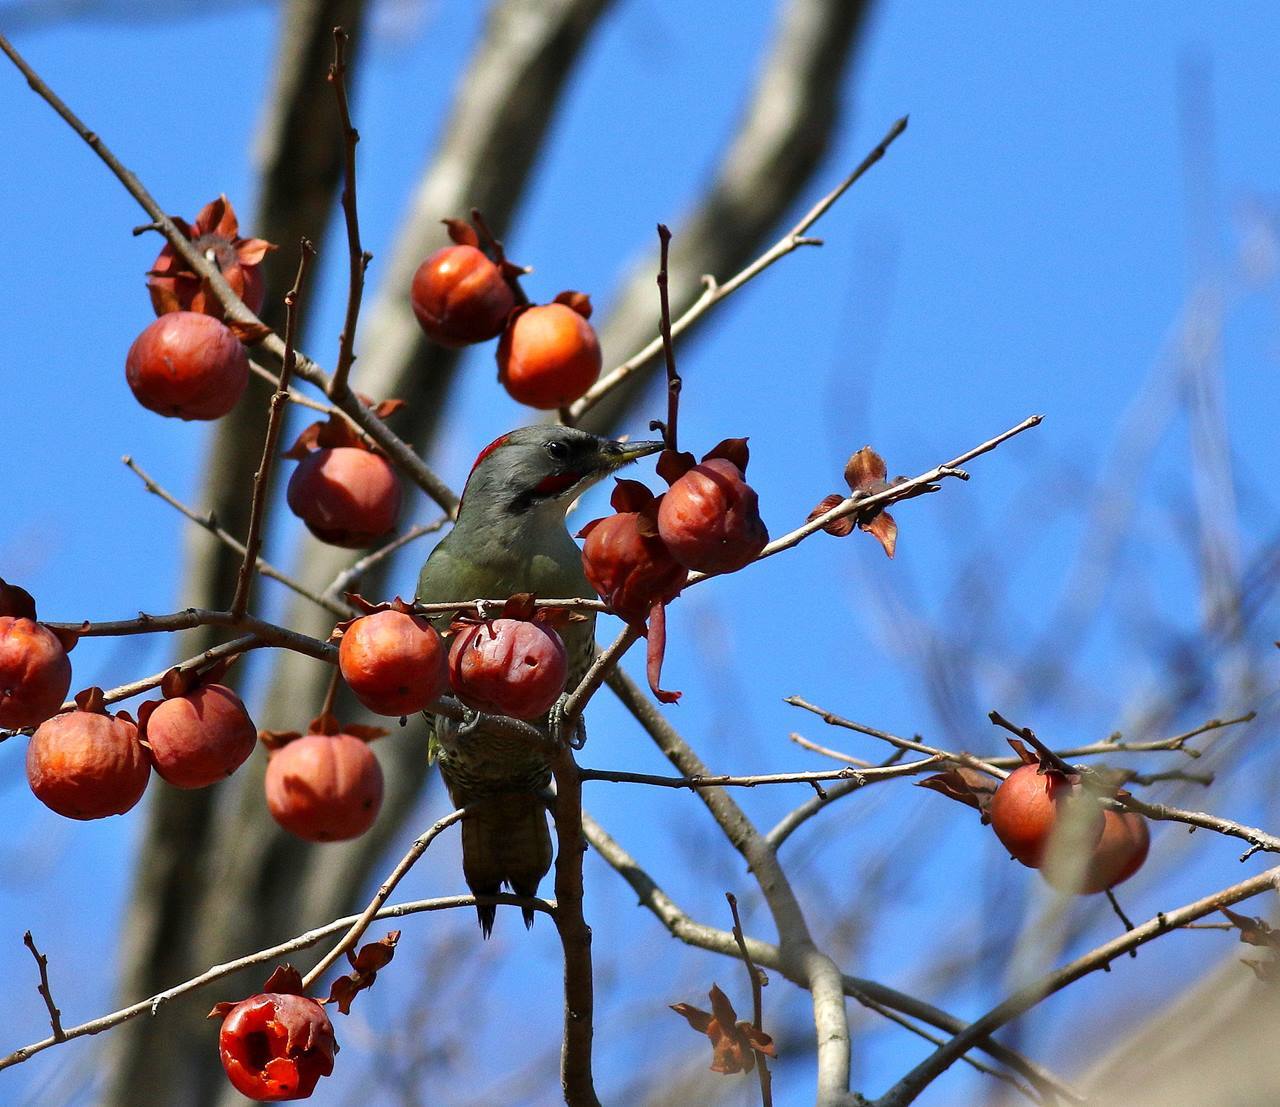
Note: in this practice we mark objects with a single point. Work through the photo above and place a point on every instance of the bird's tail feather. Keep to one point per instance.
(505, 841)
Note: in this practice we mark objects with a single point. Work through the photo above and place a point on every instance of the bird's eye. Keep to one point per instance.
(558, 450)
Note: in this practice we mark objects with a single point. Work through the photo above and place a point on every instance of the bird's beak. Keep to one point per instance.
(622, 453)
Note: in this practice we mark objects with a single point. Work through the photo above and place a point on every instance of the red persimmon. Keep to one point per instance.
(199, 738)
(276, 1046)
(324, 787)
(508, 667)
(35, 672)
(347, 496)
(710, 518)
(187, 365)
(87, 765)
(460, 297)
(1031, 807)
(394, 662)
(549, 356)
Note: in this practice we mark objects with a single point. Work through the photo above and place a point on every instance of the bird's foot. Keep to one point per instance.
(563, 731)
(470, 722)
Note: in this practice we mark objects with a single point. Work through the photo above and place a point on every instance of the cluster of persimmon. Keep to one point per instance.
(190, 363)
(548, 354)
(639, 558)
(1055, 821)
(396, 663)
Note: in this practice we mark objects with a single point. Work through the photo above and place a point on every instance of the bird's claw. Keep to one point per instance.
(563, 732)
(470, 722)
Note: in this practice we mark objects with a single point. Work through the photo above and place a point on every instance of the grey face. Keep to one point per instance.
(535, 466)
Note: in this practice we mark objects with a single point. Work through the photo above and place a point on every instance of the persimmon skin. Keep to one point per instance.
(631, 571)
(35, 672)
(548, 357)
(1029, 807)
(324, 787)
(347, 496)
(1121, 851)
(395, 663)
(187, 365)
(276, 1046)
(200, 738)
(460, 297)
(710, 518)
(508, 667)
(83, 765)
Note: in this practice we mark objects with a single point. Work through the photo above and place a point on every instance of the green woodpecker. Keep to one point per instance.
(510, 537)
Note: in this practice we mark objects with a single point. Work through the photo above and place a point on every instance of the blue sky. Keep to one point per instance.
(1023, 248)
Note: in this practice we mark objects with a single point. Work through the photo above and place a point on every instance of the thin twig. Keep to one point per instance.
(152, 1005)
(1119, 911)
(350, 575)
(910, 1086)
(210, 523)
(832, 719)
(826, 751)
(856, 777)
(275, 424)
(674, 384)
(1259, 840)
(860, 503)
(359, 258)
(757, 979)
(604, 664)
(46, 993)
(367, 916)
(269, 633)
(1029, 736)
(714, 293)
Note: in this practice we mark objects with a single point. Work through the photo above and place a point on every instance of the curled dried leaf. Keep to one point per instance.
(884, 530)
(672, 465)
(92, 699)
(1253, 931)
(365, 965)
(461, 232)
(865, 471)
(837, 527)
(734, 1043)
(15, 602)
(286, 980)
(578, 301)
(631, 495)
(655, 652)
(733, 450)
(964, 785)
(277, 739)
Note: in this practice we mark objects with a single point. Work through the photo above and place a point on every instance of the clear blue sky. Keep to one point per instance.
(1022, 249)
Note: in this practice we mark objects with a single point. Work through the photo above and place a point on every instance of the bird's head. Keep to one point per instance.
(534, 468)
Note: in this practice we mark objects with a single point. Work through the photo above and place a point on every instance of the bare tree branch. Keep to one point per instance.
(910, 1086)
